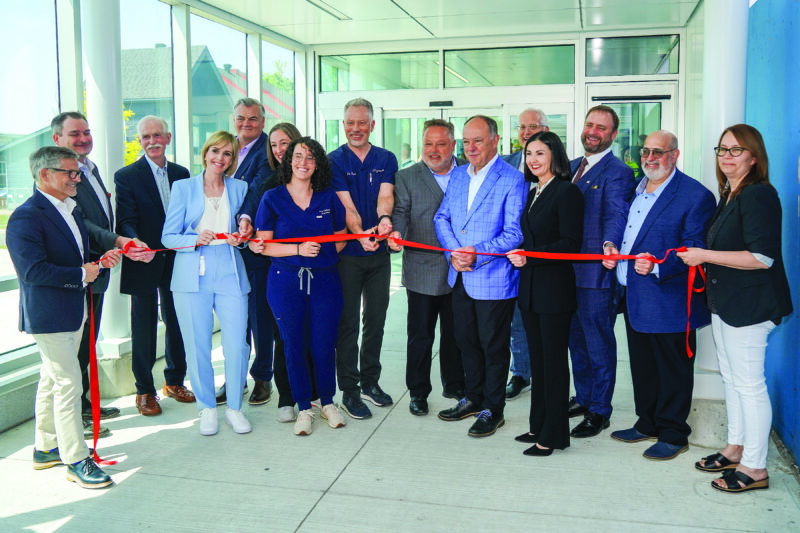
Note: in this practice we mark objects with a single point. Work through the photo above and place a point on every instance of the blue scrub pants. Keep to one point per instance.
(219, 292)
(520, 358)
(307, 304)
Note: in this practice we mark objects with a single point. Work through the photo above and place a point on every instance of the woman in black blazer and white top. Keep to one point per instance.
(551, 222)
(748, 294)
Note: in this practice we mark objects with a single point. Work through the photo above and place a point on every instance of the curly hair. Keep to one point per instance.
(321, 178)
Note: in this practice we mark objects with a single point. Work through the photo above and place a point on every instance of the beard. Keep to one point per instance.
(601, 146)
(656, 174)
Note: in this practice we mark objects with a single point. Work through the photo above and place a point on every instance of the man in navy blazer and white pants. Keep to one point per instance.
(49, 246)
(481, 213)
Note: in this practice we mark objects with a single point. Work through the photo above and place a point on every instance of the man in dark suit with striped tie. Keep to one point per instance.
(418, 192)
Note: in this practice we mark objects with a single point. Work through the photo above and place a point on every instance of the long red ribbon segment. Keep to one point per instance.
(94, 385)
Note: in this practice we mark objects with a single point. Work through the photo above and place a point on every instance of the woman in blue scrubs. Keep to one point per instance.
(209, 275)
(303, 287)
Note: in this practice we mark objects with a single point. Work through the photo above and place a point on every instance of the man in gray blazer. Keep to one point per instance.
(418, 191)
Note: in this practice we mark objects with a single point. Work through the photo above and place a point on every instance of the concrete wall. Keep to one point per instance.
(773, 106)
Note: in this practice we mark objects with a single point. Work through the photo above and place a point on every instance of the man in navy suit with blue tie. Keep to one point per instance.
(49, 246)
(607, 184)
(481, 213)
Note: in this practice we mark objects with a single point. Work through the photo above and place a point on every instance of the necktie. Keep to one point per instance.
(163, 187)
(581, 168)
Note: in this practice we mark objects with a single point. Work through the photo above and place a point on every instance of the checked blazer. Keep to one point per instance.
(417, 197)
(491, 225)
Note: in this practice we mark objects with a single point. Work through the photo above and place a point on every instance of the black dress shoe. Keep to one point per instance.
(454, 394)
(261, 392)
(418, 406)
(576, 409)
(462, 410)
(88, 475)
(591, 425)
(105, 413)
(538, 452)
(528, 438)
(222, 395)
(516, 386)
(486, 424)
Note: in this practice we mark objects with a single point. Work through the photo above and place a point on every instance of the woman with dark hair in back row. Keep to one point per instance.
(552, 221)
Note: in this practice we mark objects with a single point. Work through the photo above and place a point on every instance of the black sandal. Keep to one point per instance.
(721, 463)
(732, 479)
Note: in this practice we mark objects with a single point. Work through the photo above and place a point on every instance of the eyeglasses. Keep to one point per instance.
(523, 127)
(71, 173)
(299, 157)
(656, 153)
(736, 151)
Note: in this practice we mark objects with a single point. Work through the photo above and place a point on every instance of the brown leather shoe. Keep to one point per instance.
(147, 404)
(179, 392)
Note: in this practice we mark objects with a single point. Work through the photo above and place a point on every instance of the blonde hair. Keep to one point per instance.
(220, 138)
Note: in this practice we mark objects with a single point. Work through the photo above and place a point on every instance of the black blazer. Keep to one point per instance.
(752, 222)
(554, 223)
(140, 214)
(101, 229)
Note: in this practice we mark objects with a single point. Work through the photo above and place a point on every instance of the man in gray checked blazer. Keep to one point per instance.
(418, 191)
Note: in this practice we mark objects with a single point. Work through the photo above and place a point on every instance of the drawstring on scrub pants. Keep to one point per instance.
(308, 282)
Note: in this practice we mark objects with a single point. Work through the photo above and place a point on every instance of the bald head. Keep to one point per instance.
(661, 148)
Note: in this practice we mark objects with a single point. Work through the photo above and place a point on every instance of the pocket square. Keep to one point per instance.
(596, 187)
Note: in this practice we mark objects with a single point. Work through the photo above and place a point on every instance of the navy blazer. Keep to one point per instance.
(607, 189)
(514, 158)
(100, 227)
(680, 217)
(140, 215)
(48, 264)
(752, 222)
(255, 163)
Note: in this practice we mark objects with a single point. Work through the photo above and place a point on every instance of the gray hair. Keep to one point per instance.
(673, 139)
(161, 121)
(437, 122)
(360, 102)
(49, 157)
(57, 124)
(490, 122)
(542, 114)
(250, 102)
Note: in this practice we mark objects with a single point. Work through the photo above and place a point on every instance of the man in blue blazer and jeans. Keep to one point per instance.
(669, 210)
(480, 213)
(606, 183)
(49, 246)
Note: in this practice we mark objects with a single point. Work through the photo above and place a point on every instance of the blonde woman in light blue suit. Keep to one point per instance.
(209, 275)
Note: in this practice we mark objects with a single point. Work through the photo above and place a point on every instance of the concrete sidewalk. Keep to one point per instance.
(393, 472)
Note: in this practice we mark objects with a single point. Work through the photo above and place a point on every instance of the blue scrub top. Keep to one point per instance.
(363, 182)
(325, 215)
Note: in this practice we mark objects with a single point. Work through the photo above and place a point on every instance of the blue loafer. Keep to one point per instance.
(662, 451)
(630, 435)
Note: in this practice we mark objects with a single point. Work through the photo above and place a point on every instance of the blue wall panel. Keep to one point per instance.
(773, 106)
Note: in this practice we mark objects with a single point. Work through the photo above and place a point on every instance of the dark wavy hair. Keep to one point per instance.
(321, 178)
(750, 138)
(559, 162)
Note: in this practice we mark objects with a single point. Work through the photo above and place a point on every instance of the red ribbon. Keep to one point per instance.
(94, 386)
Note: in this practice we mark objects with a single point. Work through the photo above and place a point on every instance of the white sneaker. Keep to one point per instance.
(286, 414)
(208, 421)
(316, 404)
(303, 424)
(237, 421)
(331, 413)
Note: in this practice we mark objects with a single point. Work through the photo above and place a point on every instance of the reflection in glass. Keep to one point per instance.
(333, 132)
(636, 121)
(376, 72)
(403, 137)
(626, 56)
(277, 84)
(534, 65)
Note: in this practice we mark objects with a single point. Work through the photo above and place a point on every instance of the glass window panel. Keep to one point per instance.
(277, 84)
(219, 67)
(403, 137)
(333, 132)
(636, 121)
(458, 125)
(375, 72)
(146, 60)
(535, 65)
(557, 123)
(28, 101)
(625, 56)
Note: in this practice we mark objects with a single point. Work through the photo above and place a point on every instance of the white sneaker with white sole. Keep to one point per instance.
(208, 421)
(332, 414)
(237, 421)
(286, 414)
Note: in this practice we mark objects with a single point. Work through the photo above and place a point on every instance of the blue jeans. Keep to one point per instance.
(520, 357)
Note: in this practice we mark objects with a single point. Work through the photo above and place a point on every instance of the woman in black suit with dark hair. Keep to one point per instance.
(551, 222)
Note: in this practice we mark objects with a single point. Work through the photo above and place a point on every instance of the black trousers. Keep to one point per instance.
(484, 337)
(423, 312)
(548, 344)
(663, 378)
(144, 327)
(95, 303)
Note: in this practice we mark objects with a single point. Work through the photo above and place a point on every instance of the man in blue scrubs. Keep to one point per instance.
(363, 177)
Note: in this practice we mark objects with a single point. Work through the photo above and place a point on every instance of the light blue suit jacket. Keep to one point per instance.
(186, 205)
(491, 225)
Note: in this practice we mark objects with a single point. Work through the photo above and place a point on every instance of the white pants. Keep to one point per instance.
(58, 397)
(741, 352)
